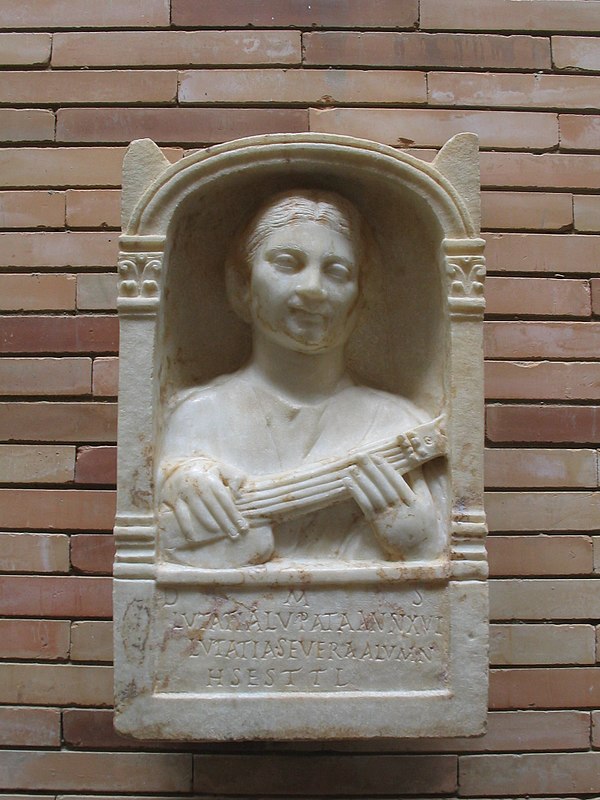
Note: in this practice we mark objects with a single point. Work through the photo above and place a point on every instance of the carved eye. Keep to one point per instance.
(337, 271)
(285, 262)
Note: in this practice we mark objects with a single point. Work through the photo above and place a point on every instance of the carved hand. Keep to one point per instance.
(402, 514)
(202, 502)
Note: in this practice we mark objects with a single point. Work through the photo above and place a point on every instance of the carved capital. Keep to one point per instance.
(464, 265)
(139, 275)
(466, 274)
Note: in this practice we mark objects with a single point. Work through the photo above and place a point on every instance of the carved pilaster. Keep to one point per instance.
(463, 268)
(140, 283)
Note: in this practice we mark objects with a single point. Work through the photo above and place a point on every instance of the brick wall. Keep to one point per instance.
(83, 78)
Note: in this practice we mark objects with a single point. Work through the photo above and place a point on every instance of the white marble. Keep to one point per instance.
(300, 522)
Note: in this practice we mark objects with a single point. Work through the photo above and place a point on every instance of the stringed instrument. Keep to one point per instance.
(269, 499)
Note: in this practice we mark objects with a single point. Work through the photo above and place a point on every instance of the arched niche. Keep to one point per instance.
(399, 343)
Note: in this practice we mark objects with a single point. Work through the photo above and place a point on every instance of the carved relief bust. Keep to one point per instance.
(290, 456)
(300, 525)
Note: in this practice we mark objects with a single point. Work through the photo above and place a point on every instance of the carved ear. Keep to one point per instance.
(142, 165)
(237, 284)
(458, 160)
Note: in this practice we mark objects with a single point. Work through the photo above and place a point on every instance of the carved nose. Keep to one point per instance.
(310, 285)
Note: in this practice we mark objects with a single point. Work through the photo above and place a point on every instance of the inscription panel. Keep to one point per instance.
(229, 639)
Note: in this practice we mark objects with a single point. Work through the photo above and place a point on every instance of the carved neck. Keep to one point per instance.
(301, 377)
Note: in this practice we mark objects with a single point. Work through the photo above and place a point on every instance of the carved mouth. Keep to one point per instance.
(302, 313)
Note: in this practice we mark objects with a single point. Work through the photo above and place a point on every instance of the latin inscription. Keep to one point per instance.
(296, 640)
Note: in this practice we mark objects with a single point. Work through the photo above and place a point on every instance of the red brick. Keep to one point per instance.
(58, 422)
(37, 292)
(543, 511)
(105, 377)
(93, 209)
(104, 772)
(515, 645)
(317, 13)
(532, 773)
(540, 171)
(96, 465)
(543, 423)
(83, 334)
(92, 640)
(595, 729)
(595, 286)
(541, 600)
(509, 15)
(65, 166)
(93, 728)
(58, 249)
(578, 52)
(25, 49)
(37, 463)
(542, 380)
(329, 87)
(578, 132)
(554, 687)
(538, 297)
(97, 291)
(89, 87)
(511, 90)
(49, 509)
(540, 555)
(542, 252)
(29, 727)
(328, 775)
(82, 14)
(26, 125)
(540, 468)
(92, 553)
(34, 552)
(35, 639)
(175, 48)
(39, 376)
(586, 210)
(432, 127)
(526, 210)
(46, 596)
(32, 210)
(532, 340)
(506, 730)
(55, 684)
(190, 125)
(418, 49)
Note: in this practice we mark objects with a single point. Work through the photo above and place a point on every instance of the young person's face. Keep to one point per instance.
(304, 286)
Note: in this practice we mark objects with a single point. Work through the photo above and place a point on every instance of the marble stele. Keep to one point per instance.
(300, 525)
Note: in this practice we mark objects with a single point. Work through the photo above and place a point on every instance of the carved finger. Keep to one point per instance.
(370, 488)
(377, 477)
(361, 498)
(198, 507)
(184, 518)
(396, 481)
(223, 495)
(214, 507)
